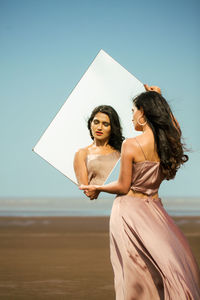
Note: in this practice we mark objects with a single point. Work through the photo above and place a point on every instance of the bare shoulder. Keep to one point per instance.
(129, 146)
(130, 142)
(81, 153)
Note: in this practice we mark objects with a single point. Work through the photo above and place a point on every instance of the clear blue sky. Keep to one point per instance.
(46, 46)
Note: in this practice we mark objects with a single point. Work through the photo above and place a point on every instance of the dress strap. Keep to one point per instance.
(141, 148)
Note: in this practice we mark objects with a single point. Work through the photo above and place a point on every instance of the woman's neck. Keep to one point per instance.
(101, 143)
(147, 129)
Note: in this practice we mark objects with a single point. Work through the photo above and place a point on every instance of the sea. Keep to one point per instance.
(46, 206)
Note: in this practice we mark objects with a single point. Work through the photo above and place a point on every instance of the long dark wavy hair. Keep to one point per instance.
(166, 130)
(116, 137)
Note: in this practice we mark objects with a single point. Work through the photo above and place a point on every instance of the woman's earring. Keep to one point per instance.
(141, 124)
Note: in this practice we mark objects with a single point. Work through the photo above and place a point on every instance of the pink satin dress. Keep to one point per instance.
(99, 166)
(151, 258)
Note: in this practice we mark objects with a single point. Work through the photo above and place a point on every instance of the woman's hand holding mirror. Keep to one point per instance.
(152, 88)
(90, 191)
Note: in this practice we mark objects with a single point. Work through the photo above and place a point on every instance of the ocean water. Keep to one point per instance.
(84, 207)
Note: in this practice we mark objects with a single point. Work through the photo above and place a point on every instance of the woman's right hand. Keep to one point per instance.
(91, 191)
(153, 88)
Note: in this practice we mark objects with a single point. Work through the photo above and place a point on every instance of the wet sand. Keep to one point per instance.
(63, 257)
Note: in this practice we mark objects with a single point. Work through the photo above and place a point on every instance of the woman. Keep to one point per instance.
(93, 163)
(150, 256)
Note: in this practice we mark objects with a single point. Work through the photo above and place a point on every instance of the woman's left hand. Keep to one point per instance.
(152, 88)
(90, 191)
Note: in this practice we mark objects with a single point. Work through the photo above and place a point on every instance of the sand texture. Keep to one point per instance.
(63, 257)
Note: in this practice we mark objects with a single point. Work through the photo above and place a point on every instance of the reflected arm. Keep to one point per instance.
(80, 168)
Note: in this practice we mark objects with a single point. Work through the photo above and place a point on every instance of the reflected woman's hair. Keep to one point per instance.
(116, 137)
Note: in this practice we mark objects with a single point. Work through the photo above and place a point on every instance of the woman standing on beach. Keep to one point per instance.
(150, 256)
(93, 163)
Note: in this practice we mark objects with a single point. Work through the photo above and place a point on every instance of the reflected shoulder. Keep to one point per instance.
(82, 152)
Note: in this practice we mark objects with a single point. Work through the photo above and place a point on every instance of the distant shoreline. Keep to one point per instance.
(86, 214)
(78, 207)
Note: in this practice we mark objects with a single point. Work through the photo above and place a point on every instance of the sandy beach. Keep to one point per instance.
(63, 257)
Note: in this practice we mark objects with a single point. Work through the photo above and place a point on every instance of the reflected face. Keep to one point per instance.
(100, 126)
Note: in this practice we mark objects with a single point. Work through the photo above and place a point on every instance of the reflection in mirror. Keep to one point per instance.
(67, 138)
(94, 163)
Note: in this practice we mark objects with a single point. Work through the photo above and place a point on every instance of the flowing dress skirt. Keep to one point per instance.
(150, 256)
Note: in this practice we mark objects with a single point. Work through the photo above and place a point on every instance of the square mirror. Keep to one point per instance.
(105, 82)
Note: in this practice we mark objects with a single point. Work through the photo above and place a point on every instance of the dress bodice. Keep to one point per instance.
(146, 177)
(99, 166)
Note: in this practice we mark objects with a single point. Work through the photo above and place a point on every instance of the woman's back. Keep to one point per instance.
(145, 148)
(146, 171)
